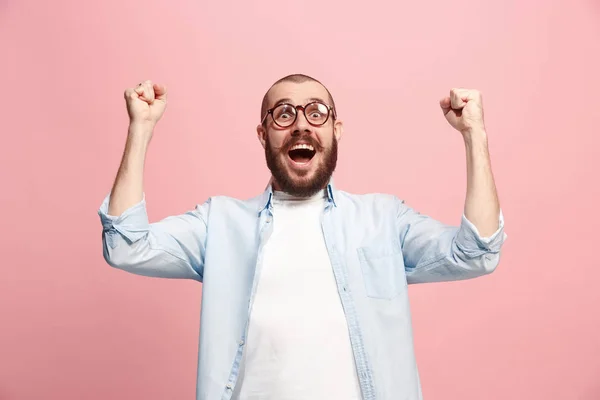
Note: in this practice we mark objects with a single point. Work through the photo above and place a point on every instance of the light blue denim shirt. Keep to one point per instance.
(376, 243)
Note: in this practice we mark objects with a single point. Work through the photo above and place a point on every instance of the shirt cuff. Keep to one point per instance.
(469, 234)
(133, 223)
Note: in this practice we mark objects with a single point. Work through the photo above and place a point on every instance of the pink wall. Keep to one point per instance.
(73, 328)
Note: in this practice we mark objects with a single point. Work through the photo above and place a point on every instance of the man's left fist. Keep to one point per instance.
(463, 109)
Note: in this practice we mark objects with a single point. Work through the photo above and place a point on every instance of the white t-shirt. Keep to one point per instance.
(298, 346)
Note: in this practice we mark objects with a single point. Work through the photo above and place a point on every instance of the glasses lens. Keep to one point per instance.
(317, 113)
(284, 115)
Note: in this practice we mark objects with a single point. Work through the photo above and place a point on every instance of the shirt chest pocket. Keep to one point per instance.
(383, 271)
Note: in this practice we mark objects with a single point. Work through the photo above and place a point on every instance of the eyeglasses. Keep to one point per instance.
(284, 115)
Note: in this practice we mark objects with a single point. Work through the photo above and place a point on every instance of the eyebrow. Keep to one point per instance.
(287, 100)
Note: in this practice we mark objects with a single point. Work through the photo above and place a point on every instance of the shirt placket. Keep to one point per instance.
(363, 368)
(265, 222)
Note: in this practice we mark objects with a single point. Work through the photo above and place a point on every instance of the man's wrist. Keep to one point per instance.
(140, 130)
(139, 136)
(475, 136)
(141, 126)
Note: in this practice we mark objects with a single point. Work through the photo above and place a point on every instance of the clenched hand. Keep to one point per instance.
(146, 103)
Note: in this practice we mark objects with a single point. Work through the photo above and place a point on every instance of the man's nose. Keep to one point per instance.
(301, 125)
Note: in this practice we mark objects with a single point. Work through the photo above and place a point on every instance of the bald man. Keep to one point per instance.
(304, 291)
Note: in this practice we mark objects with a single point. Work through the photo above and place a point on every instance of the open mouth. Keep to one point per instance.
(302, 153)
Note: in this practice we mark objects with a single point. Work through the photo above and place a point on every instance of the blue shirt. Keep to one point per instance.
(377, 245)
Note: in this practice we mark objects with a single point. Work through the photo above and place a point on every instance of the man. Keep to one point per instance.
(304, 286)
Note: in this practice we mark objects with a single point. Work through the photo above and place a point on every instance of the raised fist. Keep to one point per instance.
(146, 102)
(463, 109)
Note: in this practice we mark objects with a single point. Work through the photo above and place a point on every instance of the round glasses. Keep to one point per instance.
(284, 115)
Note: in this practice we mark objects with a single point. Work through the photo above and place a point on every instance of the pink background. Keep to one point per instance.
(73, 328)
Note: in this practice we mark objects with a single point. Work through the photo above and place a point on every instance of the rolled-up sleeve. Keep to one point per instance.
(472, 242)
(170, 248)
(436, 252)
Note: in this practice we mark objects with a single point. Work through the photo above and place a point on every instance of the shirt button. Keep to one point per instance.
(229, 386)
(242, 342)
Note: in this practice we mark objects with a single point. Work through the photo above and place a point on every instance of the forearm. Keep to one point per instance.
(482, 206)
(128, 187)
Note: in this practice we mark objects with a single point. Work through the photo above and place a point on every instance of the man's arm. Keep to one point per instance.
(171, 248)
(437, 252)
(146, 103)
(482, 206)
(128, 188)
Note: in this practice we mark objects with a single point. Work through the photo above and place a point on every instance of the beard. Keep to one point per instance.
(298, 185)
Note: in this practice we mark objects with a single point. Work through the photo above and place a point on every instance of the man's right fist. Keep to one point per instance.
(146, 102)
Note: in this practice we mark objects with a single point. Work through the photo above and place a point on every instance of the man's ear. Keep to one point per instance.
(261, 133)
(338, 130)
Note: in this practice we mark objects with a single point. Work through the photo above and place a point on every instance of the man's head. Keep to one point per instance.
(299, 131)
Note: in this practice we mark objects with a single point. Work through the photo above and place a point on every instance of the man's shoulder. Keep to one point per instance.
(372, 203)
(226, 201)
(367, 198)
(236, 205)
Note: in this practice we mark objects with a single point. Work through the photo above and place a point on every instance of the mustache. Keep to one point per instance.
(287, 145)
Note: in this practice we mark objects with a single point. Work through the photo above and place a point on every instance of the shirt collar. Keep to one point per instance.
(267, 196)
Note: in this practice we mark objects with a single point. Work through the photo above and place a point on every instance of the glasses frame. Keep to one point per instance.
(330, 113)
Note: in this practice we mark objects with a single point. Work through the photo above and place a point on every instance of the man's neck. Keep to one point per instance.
(281, 196)
(278, 191)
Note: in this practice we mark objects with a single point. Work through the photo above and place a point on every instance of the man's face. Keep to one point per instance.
(301, 157)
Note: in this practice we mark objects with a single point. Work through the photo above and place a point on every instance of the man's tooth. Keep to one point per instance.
(303, 146)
